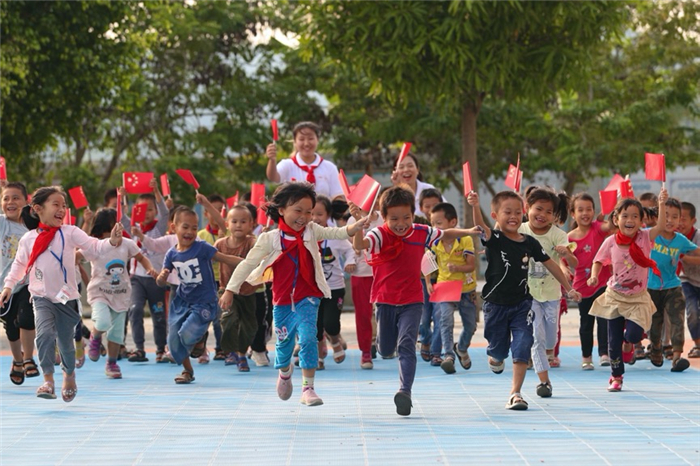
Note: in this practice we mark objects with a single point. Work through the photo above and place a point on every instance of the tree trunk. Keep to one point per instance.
(470, 112)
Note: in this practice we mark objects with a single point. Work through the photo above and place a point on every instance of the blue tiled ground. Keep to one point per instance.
(230, 418)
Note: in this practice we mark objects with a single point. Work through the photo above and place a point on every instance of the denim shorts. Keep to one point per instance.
(509, 327)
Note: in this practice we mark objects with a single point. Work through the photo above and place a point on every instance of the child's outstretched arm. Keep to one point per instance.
(452, 234)
(661, 221)
(214, 214)
(473, 200)
(146, 264)
(227, 259)
(562, 279)
(595, 271)
(566, 254)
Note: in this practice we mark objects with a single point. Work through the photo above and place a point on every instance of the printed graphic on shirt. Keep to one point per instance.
(327, 260)
(10, 243)
(115, 270)
(189, 271)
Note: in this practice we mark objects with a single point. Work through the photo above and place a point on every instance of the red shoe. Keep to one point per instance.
(628, 355)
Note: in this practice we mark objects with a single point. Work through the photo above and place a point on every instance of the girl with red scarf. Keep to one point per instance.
(47, 255)
(626, 303)
(293, 255)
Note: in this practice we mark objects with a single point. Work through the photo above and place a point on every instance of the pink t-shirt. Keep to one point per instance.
(586, 249)
(109, 282)
(627, 277)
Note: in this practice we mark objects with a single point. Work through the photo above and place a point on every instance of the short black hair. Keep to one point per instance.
(396, 196)
(447, 209)
(287, 194)
(690, 207)
(109, 195)
(428, 193)
(16, 185)
(216, 198)
(502, 196)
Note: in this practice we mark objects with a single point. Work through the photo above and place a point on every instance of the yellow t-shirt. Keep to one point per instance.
(204, 235)
(460, 249)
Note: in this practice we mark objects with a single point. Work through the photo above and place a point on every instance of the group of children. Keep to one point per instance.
(533, 266)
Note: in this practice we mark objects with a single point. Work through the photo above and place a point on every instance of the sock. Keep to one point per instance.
(286, 374)
(112, 360)
(307, 382)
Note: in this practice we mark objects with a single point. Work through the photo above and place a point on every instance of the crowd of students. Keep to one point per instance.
(286, 280)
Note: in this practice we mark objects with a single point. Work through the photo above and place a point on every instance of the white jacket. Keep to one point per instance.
(268, 248)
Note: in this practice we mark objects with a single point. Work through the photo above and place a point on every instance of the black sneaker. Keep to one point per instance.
(402, 400)
(544, 390)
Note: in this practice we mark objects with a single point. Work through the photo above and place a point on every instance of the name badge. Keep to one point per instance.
(63, 296)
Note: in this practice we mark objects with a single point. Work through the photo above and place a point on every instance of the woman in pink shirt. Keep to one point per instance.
(47, 255)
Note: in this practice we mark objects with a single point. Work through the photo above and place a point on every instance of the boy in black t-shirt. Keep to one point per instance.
(507, 301)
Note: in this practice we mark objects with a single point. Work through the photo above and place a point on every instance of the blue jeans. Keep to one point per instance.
(692, 308)
(398, 325)
(509, 328)
(288, 322)
(187, 323)
(467, 311)
(430, 314)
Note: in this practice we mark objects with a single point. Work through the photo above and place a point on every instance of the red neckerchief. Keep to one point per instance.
(213, 231)
(146, 227)
(309, 169)
(690, 236)
(41, 244)
(636, 252)
(392, 248)
(305, 267)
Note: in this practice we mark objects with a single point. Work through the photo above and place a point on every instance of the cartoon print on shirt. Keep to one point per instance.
(115, 270)
(327, 260)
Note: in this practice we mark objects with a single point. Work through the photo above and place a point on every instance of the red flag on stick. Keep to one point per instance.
(68, 219)
(344, 183)
(232, 201)
(614, 184)
(138, 213)
(165, 185)
(404, 152)
(655, 167)
(119, 206)
(512, 177)
(77, 195)
(3, 169)
(257, 194)
(626, 188)
(447, 292)
(467, 177)
(365, 193)
(188, 177)
(137, 182)
(275, 130)
(608, 200)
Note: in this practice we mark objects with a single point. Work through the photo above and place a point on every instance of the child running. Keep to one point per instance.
(626, 303)
(588, 236)
(195, 304)
(690, 278)
(18, 317)
(299, 283)
(397, 249)
(665, 291)
(544, 207)
(47, 255)
(109, 290)
(507, 301)
(455, 262)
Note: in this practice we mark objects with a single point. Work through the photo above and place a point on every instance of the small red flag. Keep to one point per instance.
(137, 182)
(404, 152)
(223, 211)
(512, 177)
(275, 130)
(467, 177)
(655, 167)
(188, 177)
(447, 292)
(262, 217)
(344, 183)
(164, 184)
(138, 213)
(77, 195)
(68, 219)
(119, 206)
(626, 188)
(257, 194)
(3, 169)
(614, 184)
(608, 200)
(365, 193)
(232, 201)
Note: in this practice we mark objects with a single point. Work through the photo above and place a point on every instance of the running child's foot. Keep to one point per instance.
(366, 361)
(338, 353)
(604, 361)
(464, 359)
(615, 384)
(436, 360)
(425, 352)
(554, 362)
(402, 400)
(204, 358)
(310, 398)
(496, 367)
(243, 364)
(544, 390)
(284, 386)
(184, 378)
(138, 356)
(94, 348)
(260, 358)
(113, 371)
(587, 364)
(628, 353)
(231, 359)
(516, 402)
(679, 365)
(219, 355)
(448, 365)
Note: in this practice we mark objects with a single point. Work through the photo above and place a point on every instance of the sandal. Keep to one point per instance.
(496, 366)
(338, 353)
(30, 369)
(184, 378)
(587, 366)
(68, 393)
(516, 403)
(46, 391)
(138, 356)
(425, 352)
(17, 376)
(656, 356)
(679, 365)
(694, 352)
(200, 346)
(668, 352)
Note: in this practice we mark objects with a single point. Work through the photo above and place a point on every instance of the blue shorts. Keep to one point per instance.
(187, 323)
(509, 328)
(288, 322)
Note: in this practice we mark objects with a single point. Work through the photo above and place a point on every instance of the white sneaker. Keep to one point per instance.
(260, 358)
